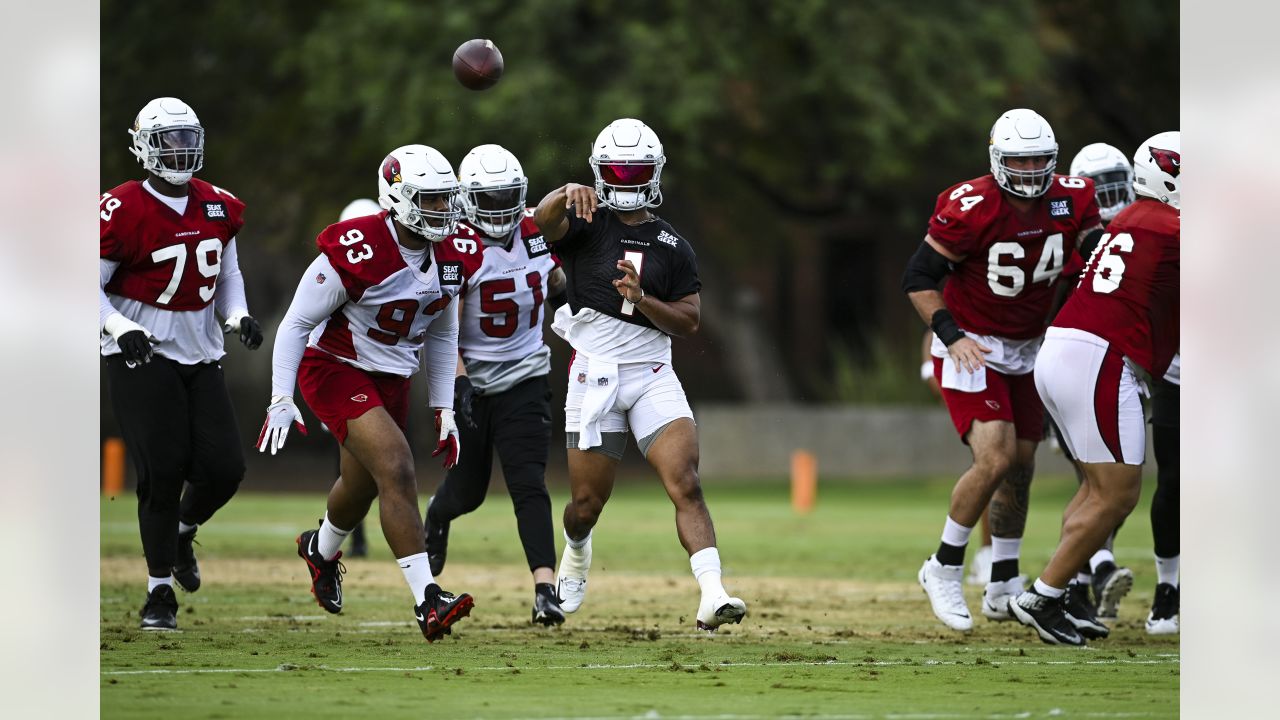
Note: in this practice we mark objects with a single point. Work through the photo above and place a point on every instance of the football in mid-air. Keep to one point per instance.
(477, 64)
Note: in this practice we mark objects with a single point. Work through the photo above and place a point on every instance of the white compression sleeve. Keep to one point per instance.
(441, 351)
(312, 304)
(229, 299)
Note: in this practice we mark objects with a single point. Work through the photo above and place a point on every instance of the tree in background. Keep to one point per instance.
(806, 139)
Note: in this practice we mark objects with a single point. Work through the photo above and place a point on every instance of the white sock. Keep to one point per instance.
(1167, 570)
(953, 533)
(706, 570)
(1048, 590)
(155, 582)
(576, 544)
(1085, 578)
(184, 528)
(1103, 555)
(1005, 548)
(329, 539)
(417, 572)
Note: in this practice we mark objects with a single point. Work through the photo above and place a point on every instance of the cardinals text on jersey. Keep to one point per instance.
(1003, 284)
(391, 303)
(167, 260)
(590, 252)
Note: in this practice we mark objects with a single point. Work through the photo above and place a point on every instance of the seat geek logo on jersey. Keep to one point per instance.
(450, 273)
(1060, 207)
(536, 245)
(668, 238)
(215, 211)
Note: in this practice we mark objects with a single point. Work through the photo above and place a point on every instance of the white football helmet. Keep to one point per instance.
(627, 161)
(168, 140)
(1022, 133)
(1112, 176)
(359, 208)
(493, 190)
(412, 175)
(1156, 167)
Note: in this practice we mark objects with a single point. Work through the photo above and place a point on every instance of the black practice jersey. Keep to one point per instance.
(590, 252)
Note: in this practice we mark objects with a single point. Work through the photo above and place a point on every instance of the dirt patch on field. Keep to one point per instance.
(837, 612)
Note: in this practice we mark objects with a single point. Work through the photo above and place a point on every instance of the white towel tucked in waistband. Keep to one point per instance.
(602, 392)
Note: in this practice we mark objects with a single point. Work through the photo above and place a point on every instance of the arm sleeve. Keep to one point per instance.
(441, 352)
(312, 304)
(229, 300)
(106, 268)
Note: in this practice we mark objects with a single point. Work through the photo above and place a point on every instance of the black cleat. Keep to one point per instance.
(326, 575)
(1047, 617)
(1163, 619)
(185, 569)
(440, 610)
(437, 538)
(1110, 584)
(161, 609)
(546, 606)
(1082, 614)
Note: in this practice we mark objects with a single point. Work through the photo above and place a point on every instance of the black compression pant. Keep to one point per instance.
(517, 423)
(1165, 505)
(179, 427)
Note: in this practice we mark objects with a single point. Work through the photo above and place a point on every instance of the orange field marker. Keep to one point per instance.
(804, 481)
(112, 467)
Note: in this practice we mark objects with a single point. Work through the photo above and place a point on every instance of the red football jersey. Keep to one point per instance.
(167, 260)
(1128, 293)
(1003, 285)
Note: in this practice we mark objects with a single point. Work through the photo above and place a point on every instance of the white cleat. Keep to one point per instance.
(945, 587)
(571, 586)
(720, 610)
(1163, 618)
(980, 570)
(996, 597)
(1109, 588)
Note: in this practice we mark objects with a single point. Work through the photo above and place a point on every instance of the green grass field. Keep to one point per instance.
(836, 625)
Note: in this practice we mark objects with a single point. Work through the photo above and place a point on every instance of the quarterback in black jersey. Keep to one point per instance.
(632, 285)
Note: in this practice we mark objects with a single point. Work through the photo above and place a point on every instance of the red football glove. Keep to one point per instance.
(449, 443)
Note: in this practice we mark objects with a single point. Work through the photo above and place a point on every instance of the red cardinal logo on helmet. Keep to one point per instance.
(391, 170)
(1167, 160)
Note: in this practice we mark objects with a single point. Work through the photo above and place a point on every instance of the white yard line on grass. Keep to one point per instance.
(288, 667)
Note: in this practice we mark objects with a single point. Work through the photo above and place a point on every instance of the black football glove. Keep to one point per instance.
(250, 333)
(463, 394)
(249, 329)
(135, 346)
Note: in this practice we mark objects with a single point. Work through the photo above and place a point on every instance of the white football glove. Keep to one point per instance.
(281, 414)
(449, 444)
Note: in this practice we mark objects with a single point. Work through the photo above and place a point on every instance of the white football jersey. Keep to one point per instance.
(390, 301)
(503, 300)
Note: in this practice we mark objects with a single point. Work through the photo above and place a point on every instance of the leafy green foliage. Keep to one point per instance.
(779, 118)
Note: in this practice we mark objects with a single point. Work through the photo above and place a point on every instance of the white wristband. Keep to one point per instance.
(117, 325)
